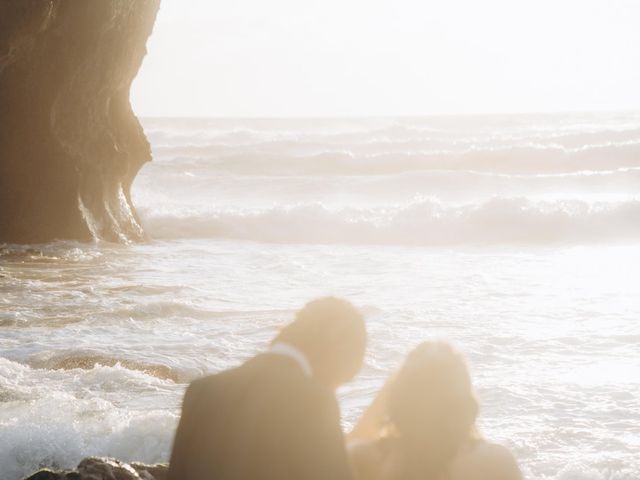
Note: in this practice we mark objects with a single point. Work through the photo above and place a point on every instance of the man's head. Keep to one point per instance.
(332, 335)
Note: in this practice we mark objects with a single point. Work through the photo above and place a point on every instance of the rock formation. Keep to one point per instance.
(70, 145)
(94, 468)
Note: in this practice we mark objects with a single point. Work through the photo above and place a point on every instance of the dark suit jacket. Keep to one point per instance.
(264, 420)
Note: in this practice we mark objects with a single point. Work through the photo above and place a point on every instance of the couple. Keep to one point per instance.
(276, 417)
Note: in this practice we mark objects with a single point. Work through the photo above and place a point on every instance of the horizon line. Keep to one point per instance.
(635, 111)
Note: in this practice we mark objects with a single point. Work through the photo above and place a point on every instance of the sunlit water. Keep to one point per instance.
(518, 239)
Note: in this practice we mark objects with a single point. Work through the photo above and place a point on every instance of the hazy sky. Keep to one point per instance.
(383, 57)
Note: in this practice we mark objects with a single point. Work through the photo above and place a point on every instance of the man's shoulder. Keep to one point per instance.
(272, 374)
(199, 383)
(196, 389)
(205, 383)
(260, 366)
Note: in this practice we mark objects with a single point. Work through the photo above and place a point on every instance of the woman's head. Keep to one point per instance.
(432, 406)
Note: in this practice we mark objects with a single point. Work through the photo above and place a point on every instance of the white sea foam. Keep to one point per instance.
(517, 145)
(36, 432)
(515, 237)
(348, 160)
(424, 221)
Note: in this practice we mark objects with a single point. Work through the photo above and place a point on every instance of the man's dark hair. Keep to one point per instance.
(328, 326)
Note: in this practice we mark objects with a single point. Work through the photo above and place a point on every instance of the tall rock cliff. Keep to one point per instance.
(70, 144)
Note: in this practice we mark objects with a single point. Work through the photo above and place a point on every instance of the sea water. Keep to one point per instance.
(517, 238)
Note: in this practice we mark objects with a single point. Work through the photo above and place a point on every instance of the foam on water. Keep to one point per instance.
(517, 238)
(421, 222)
(37, 432)
(347, 160)
(438, 181)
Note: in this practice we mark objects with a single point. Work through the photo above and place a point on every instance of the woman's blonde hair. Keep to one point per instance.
(432, 409)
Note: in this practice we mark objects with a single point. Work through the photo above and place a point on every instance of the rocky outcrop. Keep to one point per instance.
(70, 144)
(94, 468)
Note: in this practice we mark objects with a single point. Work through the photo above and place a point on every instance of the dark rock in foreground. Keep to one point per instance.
(94, 468)
(70, 145)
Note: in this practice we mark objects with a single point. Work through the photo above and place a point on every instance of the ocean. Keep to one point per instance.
(517, 238)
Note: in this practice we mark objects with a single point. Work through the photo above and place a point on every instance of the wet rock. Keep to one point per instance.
(70, 144)
(151, 472)
(98, 468)
(106, 469)
(88, 361)
(45, 475)
(50, 475)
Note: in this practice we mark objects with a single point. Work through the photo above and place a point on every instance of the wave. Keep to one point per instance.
(384, 140)
(425, 221)
(527, 159)
(565, 129)
(203, 188)
(580, 471)
(55, 418)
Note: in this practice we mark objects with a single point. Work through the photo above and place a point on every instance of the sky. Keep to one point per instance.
(288, 58)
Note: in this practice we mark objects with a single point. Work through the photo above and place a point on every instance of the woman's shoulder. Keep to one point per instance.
(485, 461)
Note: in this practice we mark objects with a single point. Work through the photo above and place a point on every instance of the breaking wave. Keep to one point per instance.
(37, 432)
(425, 221)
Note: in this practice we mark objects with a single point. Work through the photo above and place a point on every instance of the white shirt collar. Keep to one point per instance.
(288, 350)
